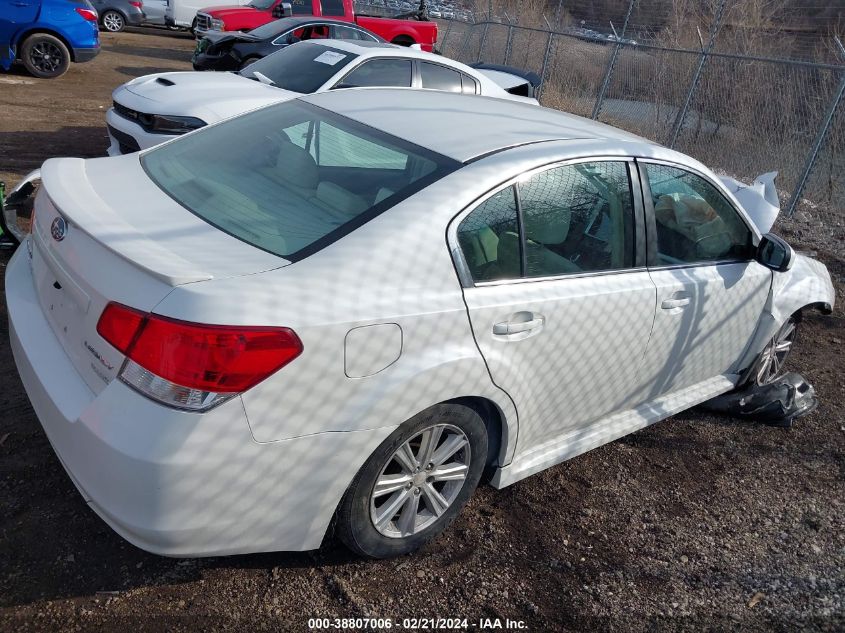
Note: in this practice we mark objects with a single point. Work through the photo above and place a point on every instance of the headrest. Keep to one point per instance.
(546, 223)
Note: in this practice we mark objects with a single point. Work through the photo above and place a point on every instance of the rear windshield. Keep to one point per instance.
(291, 178)
(303, 67)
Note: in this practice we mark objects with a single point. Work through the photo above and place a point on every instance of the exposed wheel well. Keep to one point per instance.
(38, 31)
(492, 417)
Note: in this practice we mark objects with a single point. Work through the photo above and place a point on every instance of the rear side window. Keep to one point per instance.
(489, 238)
(469, 85)
(291, 178)
(380, 72)
(437, 77)
(349, 33)
(564, 220)
(578, 218)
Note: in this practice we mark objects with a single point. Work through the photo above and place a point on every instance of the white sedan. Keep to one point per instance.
(156, 108)
(317, 311)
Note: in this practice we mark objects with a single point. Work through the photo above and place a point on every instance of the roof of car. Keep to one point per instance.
(462, 127)
(284, 24)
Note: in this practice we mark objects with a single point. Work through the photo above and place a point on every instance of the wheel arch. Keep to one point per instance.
(37, 30)
(403, 39)
(497, 430)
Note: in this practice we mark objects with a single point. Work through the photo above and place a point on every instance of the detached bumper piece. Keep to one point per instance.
(777, 404)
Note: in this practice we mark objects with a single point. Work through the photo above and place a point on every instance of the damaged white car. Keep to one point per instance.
(346, 317)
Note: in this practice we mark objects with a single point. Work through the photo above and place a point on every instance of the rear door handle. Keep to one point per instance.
(518, 327)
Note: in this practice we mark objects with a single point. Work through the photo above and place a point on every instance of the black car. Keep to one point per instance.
(115, 15)
(233, 50)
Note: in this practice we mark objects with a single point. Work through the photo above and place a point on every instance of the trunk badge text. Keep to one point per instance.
(58, 229)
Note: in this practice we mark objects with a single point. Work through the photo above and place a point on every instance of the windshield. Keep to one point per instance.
(303, 67)
(291, 178)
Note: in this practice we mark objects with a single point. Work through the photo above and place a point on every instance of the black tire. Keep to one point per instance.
(355, 524)
(193, 28)
(113, 21)
(45, 56)
(247, 62)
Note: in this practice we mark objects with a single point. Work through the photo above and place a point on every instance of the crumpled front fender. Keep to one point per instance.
(807, 283)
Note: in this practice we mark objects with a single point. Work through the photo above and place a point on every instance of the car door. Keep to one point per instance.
(710, 291)
(560, 300)
(13, 15)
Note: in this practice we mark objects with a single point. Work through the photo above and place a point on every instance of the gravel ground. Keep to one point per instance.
(699, 522)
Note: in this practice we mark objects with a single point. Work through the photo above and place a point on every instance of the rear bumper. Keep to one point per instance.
(171, 482)
(135, 18)
(81, 55)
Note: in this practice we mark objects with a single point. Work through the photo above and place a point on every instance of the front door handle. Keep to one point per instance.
(520, 323)
(677, 300)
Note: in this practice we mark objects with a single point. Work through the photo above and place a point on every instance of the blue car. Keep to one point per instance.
(46, 35)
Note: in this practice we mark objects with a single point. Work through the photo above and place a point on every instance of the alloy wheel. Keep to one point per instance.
(420, 481)
(113, 22)
(774, 356)
(46, 57)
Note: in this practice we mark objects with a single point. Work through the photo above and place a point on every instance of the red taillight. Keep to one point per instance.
(88, 14)
(136, 3)
(209, 358)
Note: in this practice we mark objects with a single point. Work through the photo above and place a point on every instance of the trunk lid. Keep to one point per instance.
(104, 232)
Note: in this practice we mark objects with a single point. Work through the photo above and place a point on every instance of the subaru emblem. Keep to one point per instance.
(58, 229)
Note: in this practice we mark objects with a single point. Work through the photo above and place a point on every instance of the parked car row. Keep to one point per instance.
(47, 35)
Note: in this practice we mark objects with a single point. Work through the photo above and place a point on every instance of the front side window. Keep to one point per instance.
(569, 219)
(303, 67)
(437, 77)
(293, 178)
(695, 222)
(380, 73)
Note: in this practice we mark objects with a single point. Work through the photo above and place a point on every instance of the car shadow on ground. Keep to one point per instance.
(147, 53)
(22, 151)
(140, 71)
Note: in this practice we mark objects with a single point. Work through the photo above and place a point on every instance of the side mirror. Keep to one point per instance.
(774, 253)
(283, 10)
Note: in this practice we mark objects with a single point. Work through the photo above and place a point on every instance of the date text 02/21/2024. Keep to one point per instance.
(416, 624)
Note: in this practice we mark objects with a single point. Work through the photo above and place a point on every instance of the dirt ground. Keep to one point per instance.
(699, 522)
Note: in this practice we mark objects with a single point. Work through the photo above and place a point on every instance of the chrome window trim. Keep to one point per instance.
(461, 266)
(591, 273)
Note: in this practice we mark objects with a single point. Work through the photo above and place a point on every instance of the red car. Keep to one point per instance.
(245, 18)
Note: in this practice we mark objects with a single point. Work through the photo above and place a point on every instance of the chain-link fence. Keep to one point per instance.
(716, 79)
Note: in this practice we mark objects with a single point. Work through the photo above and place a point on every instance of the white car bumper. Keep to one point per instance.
(172, 482)
(126, 136)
